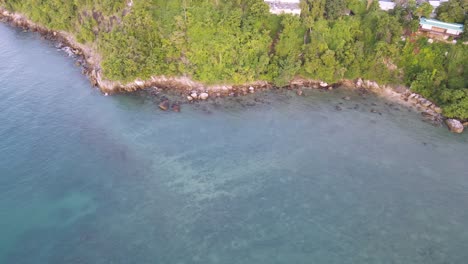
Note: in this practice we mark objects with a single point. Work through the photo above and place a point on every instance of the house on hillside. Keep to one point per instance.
(390, 4)
(284, 7)
(386, 5)
(437, 27)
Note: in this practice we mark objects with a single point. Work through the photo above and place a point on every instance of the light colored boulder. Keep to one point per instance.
(251, 89)
(454, 125)
(204, 96)
(194, 95)
(359, 83)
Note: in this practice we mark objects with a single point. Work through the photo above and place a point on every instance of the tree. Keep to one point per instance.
(335, 8)
(358, 7)
(465, 32)
(455, 103)
(314, 9)
(452, 11)
(424, 10)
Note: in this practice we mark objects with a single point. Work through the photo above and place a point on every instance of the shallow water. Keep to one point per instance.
(269, 178)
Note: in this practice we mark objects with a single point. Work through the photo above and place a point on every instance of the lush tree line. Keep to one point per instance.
(237, 41)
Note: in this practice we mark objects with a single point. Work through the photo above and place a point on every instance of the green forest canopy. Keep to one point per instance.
(238, 41)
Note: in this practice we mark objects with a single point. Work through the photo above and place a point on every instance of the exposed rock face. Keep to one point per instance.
(454, 125)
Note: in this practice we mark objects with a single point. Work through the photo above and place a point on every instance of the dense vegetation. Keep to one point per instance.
(238, 41)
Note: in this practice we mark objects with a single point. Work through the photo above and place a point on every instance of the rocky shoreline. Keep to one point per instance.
(193, 91)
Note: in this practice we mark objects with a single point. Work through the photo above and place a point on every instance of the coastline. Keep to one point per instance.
(90, 62)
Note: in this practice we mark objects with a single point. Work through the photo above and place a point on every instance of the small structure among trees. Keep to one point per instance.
(440, 28)
(386, 5)
(284, 6)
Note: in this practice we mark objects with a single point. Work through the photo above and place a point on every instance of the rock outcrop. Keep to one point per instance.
(454, 125)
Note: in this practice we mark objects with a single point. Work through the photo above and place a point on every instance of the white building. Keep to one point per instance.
(386, 5)
(284, 7)
(436, 3)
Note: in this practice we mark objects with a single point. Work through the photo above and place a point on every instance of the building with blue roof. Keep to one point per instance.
(440, 28)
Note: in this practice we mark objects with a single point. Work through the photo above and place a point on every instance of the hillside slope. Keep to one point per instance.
(238, 41)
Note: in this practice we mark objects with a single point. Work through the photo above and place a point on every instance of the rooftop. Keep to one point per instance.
(284, 6)
(440, 24)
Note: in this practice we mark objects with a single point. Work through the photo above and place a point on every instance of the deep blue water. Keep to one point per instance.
(269, 178)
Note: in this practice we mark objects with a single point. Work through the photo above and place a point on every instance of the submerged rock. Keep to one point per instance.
(164, 105)
(299, 92)
(176, 107)
(431, 117)
(454, 125)
(338, 108)
(347, 98)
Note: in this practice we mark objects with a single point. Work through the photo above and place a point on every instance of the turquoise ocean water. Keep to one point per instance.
(269, 178)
